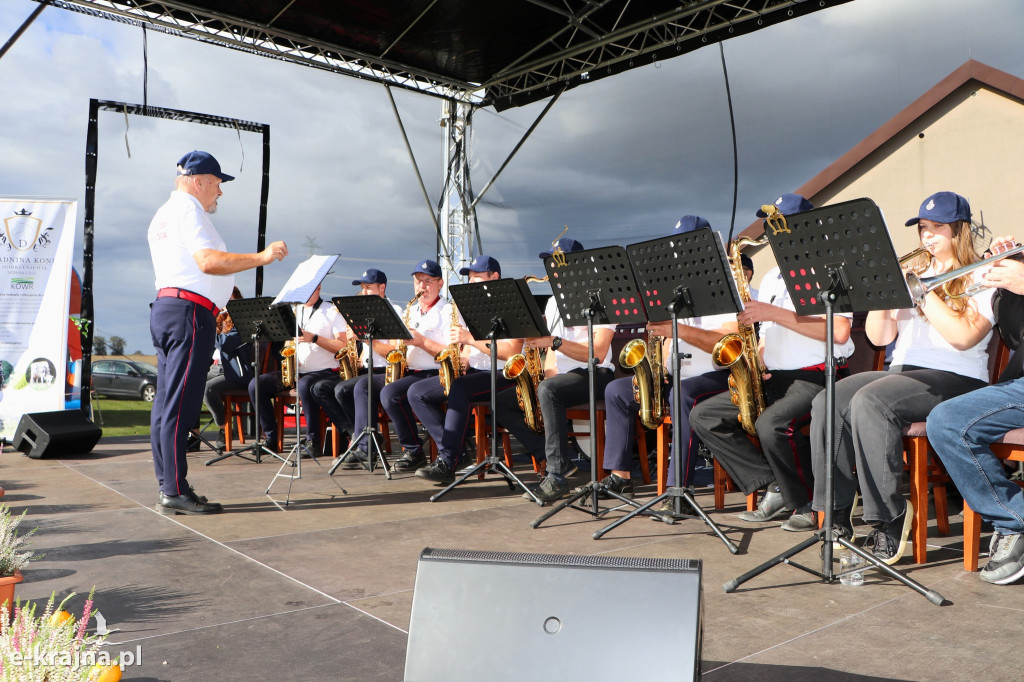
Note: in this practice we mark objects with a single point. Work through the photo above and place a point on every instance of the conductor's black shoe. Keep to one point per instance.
(438, 472)
(411, 460)
(354, 459)
(201, 498)
(187, 504)
(618, 485)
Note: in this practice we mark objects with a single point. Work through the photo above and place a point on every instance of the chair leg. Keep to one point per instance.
(720, 484)
(972, 538)
(641, 449)
(917, 459)
(663, 455)
(228, 414)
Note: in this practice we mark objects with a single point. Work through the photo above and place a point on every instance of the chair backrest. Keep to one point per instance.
(624, 333)
(998, 356)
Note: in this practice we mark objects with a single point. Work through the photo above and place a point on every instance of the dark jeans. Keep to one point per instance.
(872, 409)
(216, 387)
(270, 386)
(394, 399)
(555, 394)
(785, 454)
(337, 399)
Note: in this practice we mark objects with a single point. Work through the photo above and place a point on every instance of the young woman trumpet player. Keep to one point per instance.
(940, 352)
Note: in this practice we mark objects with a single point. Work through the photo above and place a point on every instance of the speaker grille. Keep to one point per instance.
(581, 560)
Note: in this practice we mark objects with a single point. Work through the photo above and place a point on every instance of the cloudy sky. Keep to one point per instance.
(618, 160)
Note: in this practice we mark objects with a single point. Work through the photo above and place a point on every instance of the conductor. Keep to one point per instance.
(194, 278)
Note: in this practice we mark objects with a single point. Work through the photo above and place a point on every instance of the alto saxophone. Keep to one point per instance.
(450, 359)
(644, 359)
(396, 357)
(288, 363)
(526, 371)
(738, 352)
(348, 359)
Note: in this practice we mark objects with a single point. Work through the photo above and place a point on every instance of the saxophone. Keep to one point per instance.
(526, 371)
(738, 352)
(288, 363)
(396, 358)
(348, 359)
(450, 358)
(644, 358)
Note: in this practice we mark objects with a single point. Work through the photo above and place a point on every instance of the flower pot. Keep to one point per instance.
(7, 584)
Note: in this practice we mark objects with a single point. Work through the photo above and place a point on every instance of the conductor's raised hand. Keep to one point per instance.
(275, 251)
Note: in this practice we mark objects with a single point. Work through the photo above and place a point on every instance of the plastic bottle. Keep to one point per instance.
(849, 561)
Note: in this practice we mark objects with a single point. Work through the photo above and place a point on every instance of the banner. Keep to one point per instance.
(37, 237)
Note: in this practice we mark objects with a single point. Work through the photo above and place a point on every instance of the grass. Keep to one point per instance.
(126, 417)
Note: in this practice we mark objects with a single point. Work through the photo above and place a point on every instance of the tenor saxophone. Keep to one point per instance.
(526, 371)
(449, 358)
(288, 363)
(348, 359)
(396, 357)
(738, 352)
(644, 359)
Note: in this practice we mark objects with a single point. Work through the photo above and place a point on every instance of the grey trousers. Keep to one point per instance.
(555, 394)
(872, 409)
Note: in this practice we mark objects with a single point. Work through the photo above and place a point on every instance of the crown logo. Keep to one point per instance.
(23, 211)
(930, 205)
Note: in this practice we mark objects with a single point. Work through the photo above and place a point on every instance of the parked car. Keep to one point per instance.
(124, 379)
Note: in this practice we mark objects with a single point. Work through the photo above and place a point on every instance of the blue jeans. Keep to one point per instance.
(961, 430)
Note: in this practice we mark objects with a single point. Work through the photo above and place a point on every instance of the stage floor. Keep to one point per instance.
(323, 590)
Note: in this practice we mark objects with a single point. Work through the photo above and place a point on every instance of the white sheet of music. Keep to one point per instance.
(304, 281)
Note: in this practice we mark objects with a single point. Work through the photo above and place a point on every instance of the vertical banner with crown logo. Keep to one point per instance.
(37, 237)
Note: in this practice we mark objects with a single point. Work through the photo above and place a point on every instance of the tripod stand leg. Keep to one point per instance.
(461, 479)
(636, 512)
(580, 493)
(931, 595)
(774, 561)
(685, 494)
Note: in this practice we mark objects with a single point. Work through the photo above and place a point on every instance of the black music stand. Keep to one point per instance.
(681, 276)
(497, 309)
(593, 286)
(837, 257)
(255, 318)
(370, 317)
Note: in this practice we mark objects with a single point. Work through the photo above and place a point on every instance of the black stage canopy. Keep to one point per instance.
(500, 53)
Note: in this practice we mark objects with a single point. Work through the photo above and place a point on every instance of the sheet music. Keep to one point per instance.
(304, 281)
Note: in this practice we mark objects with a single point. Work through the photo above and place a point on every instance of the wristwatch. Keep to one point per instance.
(556, 343)
(316, 337)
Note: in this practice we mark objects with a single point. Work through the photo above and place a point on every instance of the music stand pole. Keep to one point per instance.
(492, 462)
(677, 493)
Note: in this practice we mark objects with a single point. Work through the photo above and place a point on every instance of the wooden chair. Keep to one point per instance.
(1010, 448)
(722, 482)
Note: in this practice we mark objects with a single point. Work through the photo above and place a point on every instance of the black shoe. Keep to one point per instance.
(201, 498)
(888, 541)
(309, 448)
(411, 460)
(549, 490)
(187, 504)
(438, 472)
(669, 507)
(221, 442)
(618, 485)
(354, 459)
(193, 443)
(771, 506)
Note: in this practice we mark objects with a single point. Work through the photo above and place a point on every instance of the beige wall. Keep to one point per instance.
(972, 144)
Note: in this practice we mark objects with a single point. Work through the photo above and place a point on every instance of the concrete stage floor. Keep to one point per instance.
(323, 591)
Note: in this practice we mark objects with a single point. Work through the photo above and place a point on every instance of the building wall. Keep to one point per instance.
(971, 143)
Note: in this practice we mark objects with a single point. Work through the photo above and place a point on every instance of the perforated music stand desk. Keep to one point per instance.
(682, 276)
(837, 258)
(496, 309)
(253, 317)
(370, 318)
(594, 286)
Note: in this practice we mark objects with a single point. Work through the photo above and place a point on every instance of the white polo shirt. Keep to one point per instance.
(476, 358)
(379, 361)
(326, 321)
(919, 343)
(180, 228)
(433, 324)
(784, 348)
(578, 334)
(699, 361)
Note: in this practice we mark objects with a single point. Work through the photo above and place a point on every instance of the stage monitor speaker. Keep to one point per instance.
(501, 616)
(56, 434)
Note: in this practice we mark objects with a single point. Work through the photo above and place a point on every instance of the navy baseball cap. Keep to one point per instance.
(746, 262)
(201, 163)
(567, 244)
(943, 207)
(371, 276)
(688, 223)
(788, 204)
(481, 263)
(428, 267)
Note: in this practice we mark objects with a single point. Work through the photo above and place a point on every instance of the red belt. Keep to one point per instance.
(821, 367)
(172, 292)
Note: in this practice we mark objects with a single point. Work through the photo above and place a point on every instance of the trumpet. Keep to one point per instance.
(920, 286)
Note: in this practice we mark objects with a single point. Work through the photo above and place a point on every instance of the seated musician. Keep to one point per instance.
(791, 349)
(961, 431)
(426, 316)
(336, 396)
(565, 385)
(323, 333)
(232, 372)
(941, 352)
(699, 379)
(448, 427)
